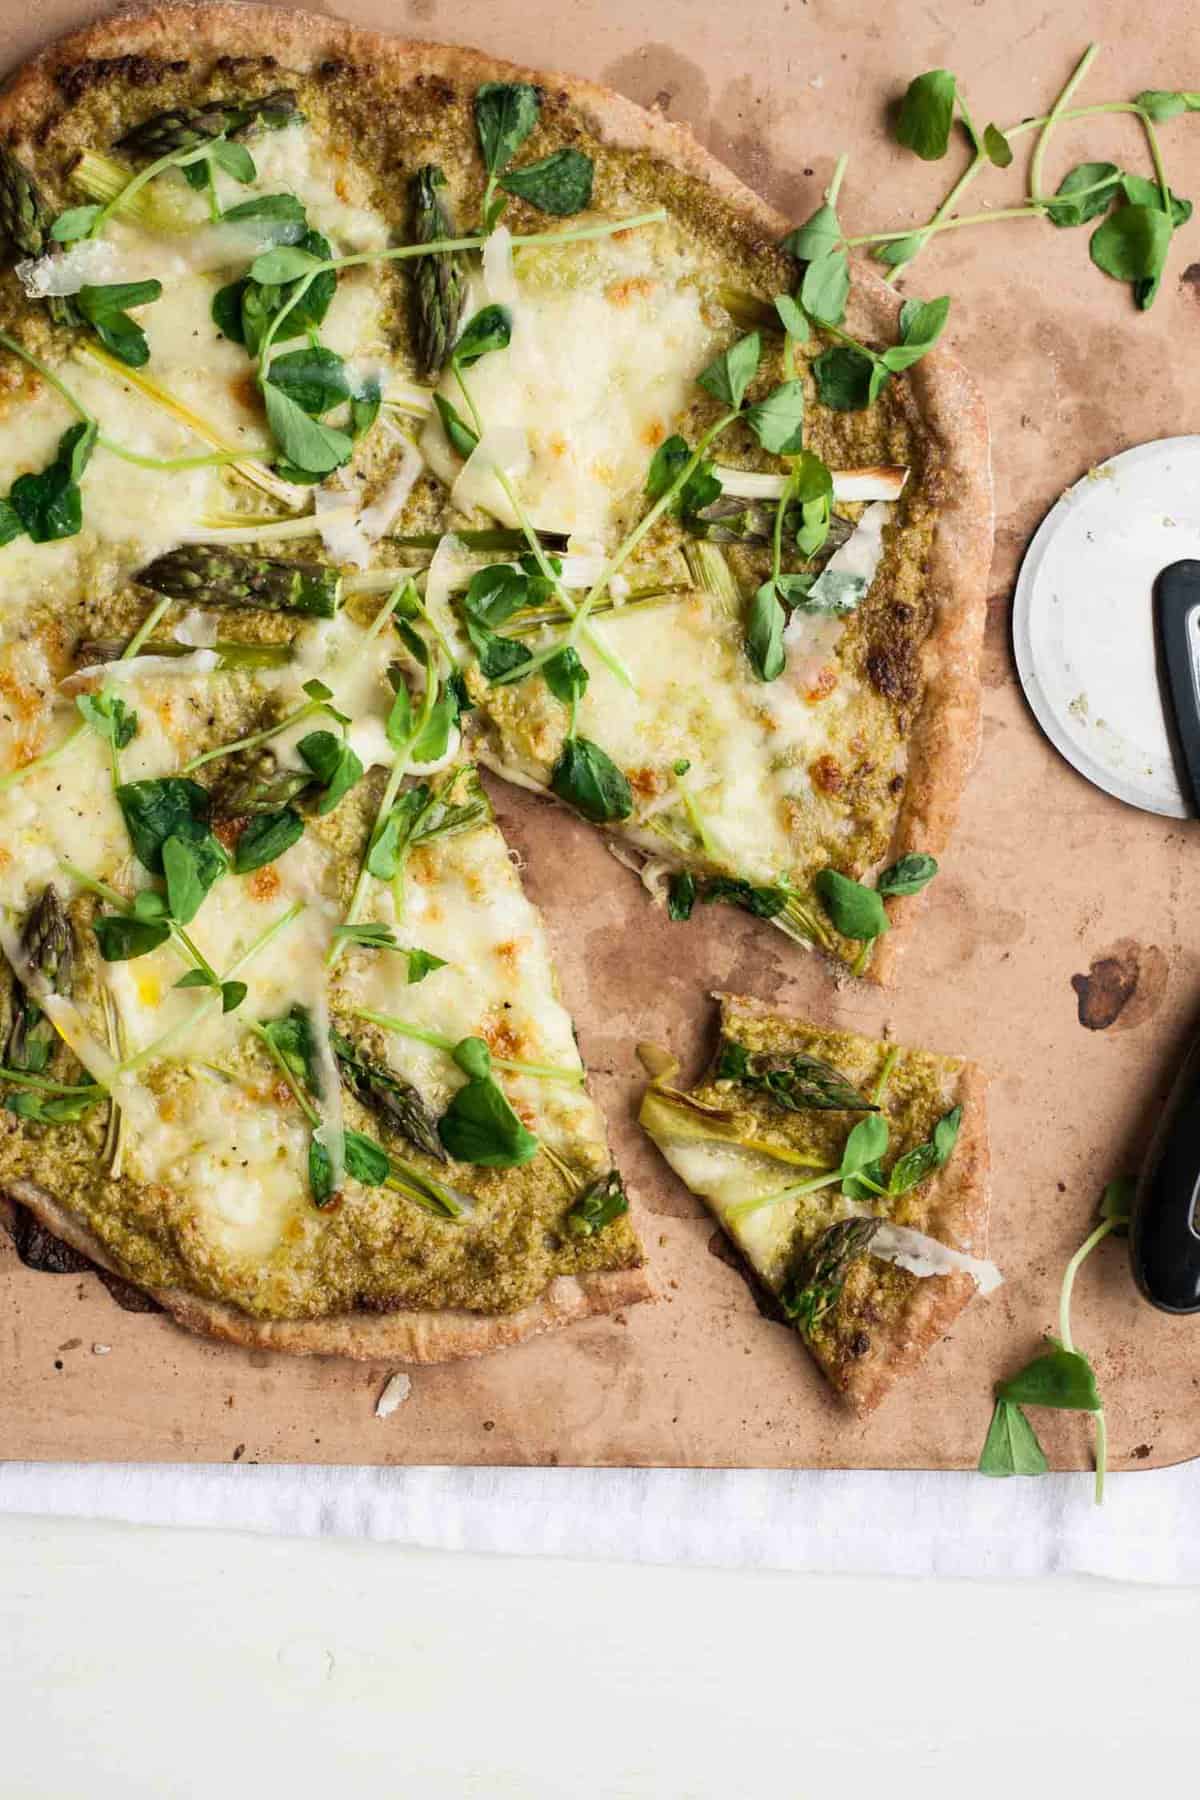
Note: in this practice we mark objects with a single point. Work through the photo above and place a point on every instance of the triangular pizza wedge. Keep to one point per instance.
(852, 1174)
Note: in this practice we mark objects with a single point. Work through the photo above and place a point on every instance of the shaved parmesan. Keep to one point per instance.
(924, 1256)
(138, 668)
(395, 1392)
(91, 262)
(197, 628)
(847, 576)
(885, 482)
(340, 527)
(499, 276)
(503, 450)
(331, 1132)
(383, 512)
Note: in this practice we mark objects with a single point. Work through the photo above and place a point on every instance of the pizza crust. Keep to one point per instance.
(942, 746)
(416, 1337)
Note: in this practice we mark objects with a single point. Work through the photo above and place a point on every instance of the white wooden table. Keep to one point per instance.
(176, 1665)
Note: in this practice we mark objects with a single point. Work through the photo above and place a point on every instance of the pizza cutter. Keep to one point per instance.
(1106, 631)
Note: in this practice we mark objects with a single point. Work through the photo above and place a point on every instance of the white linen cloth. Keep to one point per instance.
(847, 1523)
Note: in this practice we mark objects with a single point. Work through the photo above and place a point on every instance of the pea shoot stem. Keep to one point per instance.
(255, 738)
(439, 1041)
(1052, 117)
(444, 247)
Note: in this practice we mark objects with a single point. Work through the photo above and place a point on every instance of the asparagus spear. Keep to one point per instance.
(392, 1099)
(602, 1201)
(25, 220)
(439, 287)
(230, 655)
(817, 1285)
(185, 127)
(25, 216)
(48, 947)
(209, 575)
(263, 789)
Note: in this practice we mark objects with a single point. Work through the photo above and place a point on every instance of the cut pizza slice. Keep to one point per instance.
(852, 1174)
(283, 1042)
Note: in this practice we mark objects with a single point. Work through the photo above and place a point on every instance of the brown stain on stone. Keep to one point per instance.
(1123, 987)
(658, 76)
(1189, 281)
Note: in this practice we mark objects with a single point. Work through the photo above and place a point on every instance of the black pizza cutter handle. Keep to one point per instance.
(1164, 1237)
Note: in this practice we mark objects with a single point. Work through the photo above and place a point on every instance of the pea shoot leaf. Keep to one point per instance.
(333, 762)
(234, 159)
(286, 262)
(505, 114)
(1071, 205)
(764, 633)
(921, 324)
(191, 866)
(856, 911)
(318, 449)
(314, 378)
(559, 184)
(1141, 191)
(819, 236)
(791, 317)
(927, 115)
(566, 676)
(498, 656)
(266, 838)
(489, 329)
(49, 505)
(109, 717)
(104, 309)
(843, 378)
(1161, 104)
(459, 434)
(123, 938)
(826, 287)
(996, 147)
(1058, 1378)
(1011, 1446)
(666, 466)
(494, 594)
(75, 223)
(479, 1126)
(908, 875)
(730, 374)
(588, 779)
(283, 216)
(778, 420)
(155, 810)
(1132, 243)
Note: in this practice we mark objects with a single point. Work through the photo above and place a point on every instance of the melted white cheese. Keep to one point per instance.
(577, 379)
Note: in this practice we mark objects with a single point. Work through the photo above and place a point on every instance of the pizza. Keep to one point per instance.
(372, 411)
(851, 1174)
